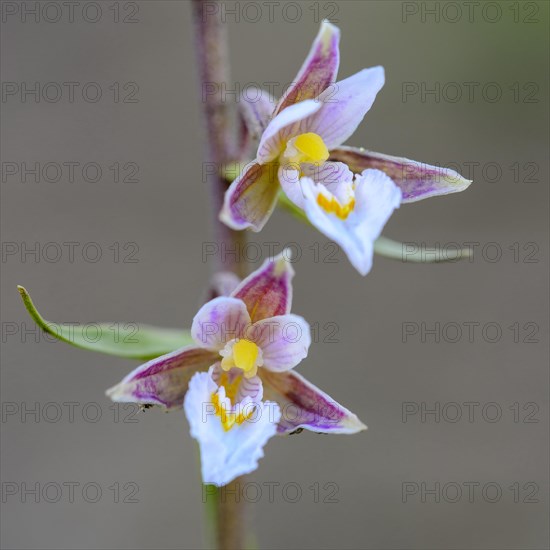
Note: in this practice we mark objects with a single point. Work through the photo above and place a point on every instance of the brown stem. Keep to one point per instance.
(231, 516)
(213, 63)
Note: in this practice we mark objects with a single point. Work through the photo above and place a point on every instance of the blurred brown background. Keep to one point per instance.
(504, 141)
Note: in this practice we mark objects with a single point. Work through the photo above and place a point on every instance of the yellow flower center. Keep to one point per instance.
(245, 354)
(308, 148)
(242, 354)
(332, 206)
(230, 418)
(232, 388)
(238, 354)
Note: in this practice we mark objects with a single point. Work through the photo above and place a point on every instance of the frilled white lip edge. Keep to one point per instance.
(376, 197)
(226, 455)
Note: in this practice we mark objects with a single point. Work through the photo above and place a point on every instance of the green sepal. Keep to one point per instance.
(128, 340)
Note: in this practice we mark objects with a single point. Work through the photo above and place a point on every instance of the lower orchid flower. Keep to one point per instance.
(347, 193)
(246, 344)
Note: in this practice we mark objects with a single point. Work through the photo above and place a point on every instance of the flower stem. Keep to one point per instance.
(212, 52)
(224, 510)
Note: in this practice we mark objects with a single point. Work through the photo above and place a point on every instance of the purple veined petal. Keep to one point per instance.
(287, 124)
(303, 405)
(241, 387)
(163, 381)
(344, 105)
(267, 292)
(256, 108)
(219, 321)
(251, 198)
(319, 69)
(226, 455)
(416, 180)
(283, 339)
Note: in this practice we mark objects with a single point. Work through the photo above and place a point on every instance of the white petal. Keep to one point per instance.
(226, 455)
(376, 197)
(335, 176)
(344, 105)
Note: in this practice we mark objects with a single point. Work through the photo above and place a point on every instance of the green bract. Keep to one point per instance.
(121, 339)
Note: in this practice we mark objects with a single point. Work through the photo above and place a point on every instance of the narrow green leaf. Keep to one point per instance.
(122, 339)
(413, 252)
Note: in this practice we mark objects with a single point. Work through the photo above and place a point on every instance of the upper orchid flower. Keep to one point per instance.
(347, 193)
(246, 343)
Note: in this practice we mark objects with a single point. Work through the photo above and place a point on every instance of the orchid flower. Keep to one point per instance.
(347, 193)
(246, 344)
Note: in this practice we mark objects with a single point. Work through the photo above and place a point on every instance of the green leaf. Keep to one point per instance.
(412, 252)
(404, 252)
(122, 339)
